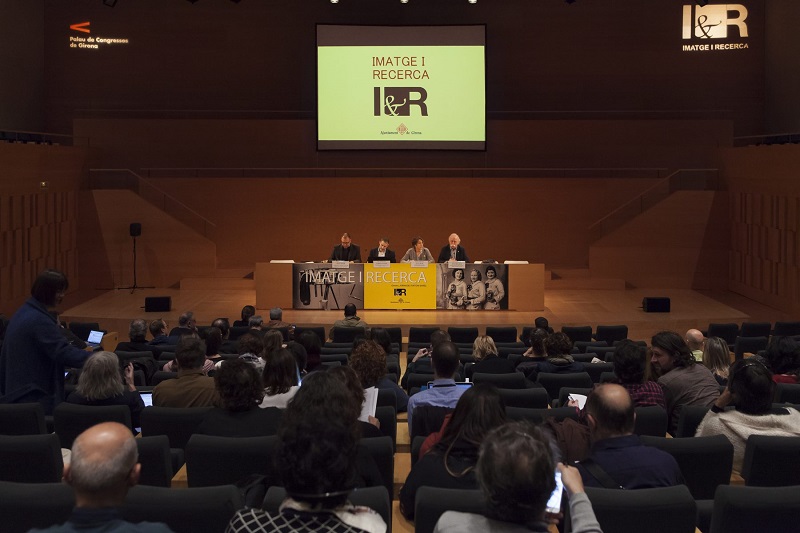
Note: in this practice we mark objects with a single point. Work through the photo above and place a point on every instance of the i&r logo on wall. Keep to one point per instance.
(714, 21)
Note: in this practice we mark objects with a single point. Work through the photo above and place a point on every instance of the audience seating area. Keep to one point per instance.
(765, 497)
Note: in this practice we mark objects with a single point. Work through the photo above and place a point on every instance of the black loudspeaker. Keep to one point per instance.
(655, 304)
(157, 304)
(136, 229)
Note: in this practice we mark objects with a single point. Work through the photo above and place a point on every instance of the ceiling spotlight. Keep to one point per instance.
(403, 1)
(334, 1)
(473, 1)
(110, 3)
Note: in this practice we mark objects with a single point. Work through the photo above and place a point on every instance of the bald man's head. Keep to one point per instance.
(610, 411)
(694, 339)
(103, 465)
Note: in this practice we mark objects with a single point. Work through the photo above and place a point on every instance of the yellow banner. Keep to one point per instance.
(400, 286)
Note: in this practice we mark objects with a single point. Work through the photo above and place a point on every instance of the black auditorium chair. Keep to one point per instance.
(432, 502)
(532, 398)
(511, 380)
(583, 346)
(771, 461)
(25, 506)
(177, 423)
(212, 460)
(537, 416)
(185, 510)
(755, 329)
(31, 458)
(463, 335)
(82, 329)
(427, 419)
(784, 393)
(748, 509)
(387, 416)
(319, 330)
(578, 333)
(70, 420)
(162, 375)
(553, 382)
(421, 334)
(22, 419)
(706, 462)
(727, 332)
(595, 370)
(347, 334)
(565, 392)
(663, 510)
(502, 334)
(751, 345)
(786, 329)
(610, 334)
(381, 449)
(156, 461)
(651, 420)
(688, 420)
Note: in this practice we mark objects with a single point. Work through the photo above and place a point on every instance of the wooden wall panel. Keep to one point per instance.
(765, 218)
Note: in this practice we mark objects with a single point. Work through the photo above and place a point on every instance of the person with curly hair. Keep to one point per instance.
(240, 391)
(371, 426)
(783, 355)
(369, 362)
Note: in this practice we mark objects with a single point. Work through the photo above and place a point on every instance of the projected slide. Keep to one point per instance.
(401, 87)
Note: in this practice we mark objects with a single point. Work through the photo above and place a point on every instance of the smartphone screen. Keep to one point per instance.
(554, 503)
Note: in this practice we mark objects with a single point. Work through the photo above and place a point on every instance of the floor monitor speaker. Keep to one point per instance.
(157, 304)
(655, 304)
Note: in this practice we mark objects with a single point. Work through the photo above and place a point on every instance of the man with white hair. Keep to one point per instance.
(453, 251)
(102, 469)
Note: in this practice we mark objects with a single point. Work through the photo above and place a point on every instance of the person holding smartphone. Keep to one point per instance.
(517, 473)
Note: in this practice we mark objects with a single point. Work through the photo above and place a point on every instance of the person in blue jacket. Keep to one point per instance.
(35, 352)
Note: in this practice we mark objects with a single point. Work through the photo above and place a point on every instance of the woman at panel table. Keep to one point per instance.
(476, 291)
(457, 290)
(418, 252)
(494, 289)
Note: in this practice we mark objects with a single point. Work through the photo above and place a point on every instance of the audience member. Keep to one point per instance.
(382, 252)
(443, 391)
(228, 345)
(542, 322)
(684, 381)
(256, 323)
(535, 354)
(453, 251)
(559, 361)
(102, 469)
(417, 252)
(486, 359)
(382, 337)
(783, 355)
(276, 319)
(717, 358)
(750, 390)
(192, 388)
(323, 396)
(187, 325)
(273, 340)
(346, 251)
(350, 320)
(516, 471)
(630, 361)
(250, 347)
(212, 339)
(279, 378)
(100, 383)
(34, 351)
(696, 343)
(240, 392)
(421, 363)
(313, 348)
(137, 333)
(247, 312)
(369, 362)
(618, 458)
(345, 374)
(454, 450)
(158, 329)
(316, 460)
(300, 357)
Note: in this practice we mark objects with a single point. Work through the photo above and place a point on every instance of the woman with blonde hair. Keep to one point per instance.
(717, 358)
(486, 359)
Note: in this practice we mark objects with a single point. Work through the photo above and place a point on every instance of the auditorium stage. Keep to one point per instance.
(114, 310)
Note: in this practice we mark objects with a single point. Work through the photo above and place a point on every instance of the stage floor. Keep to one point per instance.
(689, 309)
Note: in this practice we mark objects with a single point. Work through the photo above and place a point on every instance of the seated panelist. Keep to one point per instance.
(453, 251)
(382, 252)
(418, 252)
(347, 251)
